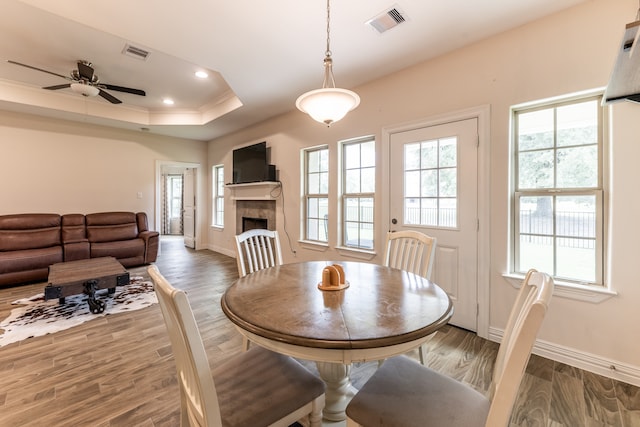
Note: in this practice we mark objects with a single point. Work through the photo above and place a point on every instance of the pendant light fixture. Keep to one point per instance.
(329, 104)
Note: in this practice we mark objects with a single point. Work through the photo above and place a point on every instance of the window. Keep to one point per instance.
(218, 196)
(558, 196)
(430, 182)
(316, 194)
(358, 188)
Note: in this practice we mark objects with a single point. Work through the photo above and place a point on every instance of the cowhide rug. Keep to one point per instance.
(36, 317)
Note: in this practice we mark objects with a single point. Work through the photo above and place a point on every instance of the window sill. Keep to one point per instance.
(356, 253)
(217, 227)
(592, 294)
(313, 245)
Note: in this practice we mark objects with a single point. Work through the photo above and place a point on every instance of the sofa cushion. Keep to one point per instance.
(17, 240)
(121, 249)
(15, 261)
(111, 226)
(110, 218)
(29, 231)
(29, 221)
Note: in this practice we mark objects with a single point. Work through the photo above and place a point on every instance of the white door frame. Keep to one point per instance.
(483, 114)
(199, 208)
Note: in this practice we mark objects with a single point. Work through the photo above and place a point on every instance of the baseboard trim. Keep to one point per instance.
(610, 368)
(223, 251)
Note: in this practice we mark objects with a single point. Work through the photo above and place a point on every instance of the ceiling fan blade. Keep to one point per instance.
(56, 87)
(112, 99)
(85, 70)
(124, 89)
(38, 69)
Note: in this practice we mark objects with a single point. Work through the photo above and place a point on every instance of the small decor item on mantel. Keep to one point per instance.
(333, 278)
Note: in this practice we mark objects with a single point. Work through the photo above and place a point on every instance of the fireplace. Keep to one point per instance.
(253, 223)
(255, 214)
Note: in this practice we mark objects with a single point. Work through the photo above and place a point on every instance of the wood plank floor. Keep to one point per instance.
(118, 370)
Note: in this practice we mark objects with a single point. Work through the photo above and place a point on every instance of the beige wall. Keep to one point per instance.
(565, 53)
(49, 165)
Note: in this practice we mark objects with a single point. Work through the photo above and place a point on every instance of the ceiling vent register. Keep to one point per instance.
(387, 20)
(135, 52)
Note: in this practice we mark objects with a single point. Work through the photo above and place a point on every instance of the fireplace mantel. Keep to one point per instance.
(253, 190)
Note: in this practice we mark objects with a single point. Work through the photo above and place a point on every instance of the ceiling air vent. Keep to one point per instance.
(387, 20)
(135, 52)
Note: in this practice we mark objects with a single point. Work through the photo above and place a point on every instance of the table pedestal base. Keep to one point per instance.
(339, 391)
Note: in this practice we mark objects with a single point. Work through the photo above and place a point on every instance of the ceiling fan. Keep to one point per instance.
(85, 82)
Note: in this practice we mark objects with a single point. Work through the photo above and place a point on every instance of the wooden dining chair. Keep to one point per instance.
(404, 393)
(255, 388)
(411, 251)
(257, 249)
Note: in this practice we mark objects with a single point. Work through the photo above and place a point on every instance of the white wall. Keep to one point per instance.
(568, 52)
(49, 165)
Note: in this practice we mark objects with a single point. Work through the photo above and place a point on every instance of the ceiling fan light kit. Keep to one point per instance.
(329, 104)
(85, 89)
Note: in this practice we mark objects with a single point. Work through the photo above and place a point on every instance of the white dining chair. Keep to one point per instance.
(257, 249)
(404, 393)
(254, 388)
(411, 251)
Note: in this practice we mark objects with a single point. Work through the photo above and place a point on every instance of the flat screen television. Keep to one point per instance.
(250, 164)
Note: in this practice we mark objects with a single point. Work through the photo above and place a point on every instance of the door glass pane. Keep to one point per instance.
(448, 182)
(435, 183)
(429, 154)
(429, 183)
(411, 156)
(412, 184)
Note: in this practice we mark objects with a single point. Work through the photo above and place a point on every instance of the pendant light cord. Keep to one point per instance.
(329, 81)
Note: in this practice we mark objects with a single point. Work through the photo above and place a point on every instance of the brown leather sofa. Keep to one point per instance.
(30, 243)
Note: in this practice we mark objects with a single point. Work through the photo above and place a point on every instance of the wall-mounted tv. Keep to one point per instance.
(251, 164)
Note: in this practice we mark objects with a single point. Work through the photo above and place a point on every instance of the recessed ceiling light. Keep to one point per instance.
(168, 101)
(201, 74)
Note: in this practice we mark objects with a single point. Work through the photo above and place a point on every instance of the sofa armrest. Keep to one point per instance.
(151, 244)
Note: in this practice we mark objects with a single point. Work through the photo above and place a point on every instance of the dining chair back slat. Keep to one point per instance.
(411, 251)
(256, 250)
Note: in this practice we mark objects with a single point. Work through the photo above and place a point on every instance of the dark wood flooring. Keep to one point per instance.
(118, 370)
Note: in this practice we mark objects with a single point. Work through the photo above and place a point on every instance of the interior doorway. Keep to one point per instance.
(176, 189)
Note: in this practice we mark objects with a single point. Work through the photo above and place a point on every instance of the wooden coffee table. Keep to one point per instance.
(85, 276)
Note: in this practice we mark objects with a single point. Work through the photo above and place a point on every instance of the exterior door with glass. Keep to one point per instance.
(433, 189)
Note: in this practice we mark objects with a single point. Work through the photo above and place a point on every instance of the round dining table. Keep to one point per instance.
(378, 312)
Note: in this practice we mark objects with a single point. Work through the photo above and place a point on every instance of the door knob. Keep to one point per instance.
(394, 221)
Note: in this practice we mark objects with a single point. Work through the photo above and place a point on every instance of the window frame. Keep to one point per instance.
(307, 195)
(345, 195)
(218, 196)
(597, 191)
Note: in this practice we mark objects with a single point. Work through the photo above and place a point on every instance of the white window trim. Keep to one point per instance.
(587, 293)
(596, 292)
(311, 244)
(216, 196)
(355, 252)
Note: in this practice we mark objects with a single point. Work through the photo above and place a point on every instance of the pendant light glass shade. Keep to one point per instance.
(329, 104)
